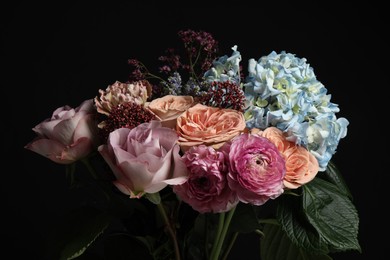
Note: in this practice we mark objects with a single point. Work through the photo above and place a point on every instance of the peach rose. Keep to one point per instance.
(210, 126)
(301, 165)
(169, 107)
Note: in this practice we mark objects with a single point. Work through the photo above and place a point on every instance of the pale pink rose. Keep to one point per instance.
(119, 93)
(169, 107)
(210, 126)
(144, 159)
(301, 165)
(256, 168)
(69, 135)
(206, 189)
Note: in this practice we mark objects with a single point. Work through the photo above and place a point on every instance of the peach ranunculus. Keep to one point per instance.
(69, 135)
(169, 107)
(118, 93)
(301, 165)
(210, 126)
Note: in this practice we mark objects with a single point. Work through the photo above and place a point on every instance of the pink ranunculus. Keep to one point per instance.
(169, 107)
(69, 135)
(144, 159)
(301, 165)
(210, 126)
(256, 168)
(207, 189)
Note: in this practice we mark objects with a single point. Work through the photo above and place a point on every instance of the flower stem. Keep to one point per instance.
(221, 238)
(170, 230)
(221, 222)
(230, 246)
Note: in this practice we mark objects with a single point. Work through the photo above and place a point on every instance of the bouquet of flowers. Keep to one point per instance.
(184, 160)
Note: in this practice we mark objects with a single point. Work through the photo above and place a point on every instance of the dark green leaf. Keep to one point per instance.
(333, 175)
(122, 246)
(244, 219)
(297, 227)
(76, 233)
(201, 237)
(332, 214)
(275, 245)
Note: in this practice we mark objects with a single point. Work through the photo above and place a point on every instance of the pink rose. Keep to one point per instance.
(301, 165)
(256, 168)
(69, 135)
(207, 189)
(144, 159)
(210, 126)
(169, 107)
(119, 93)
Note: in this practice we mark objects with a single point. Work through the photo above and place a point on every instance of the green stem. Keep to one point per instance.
(230, 246)
(70, 170)
(221, 222)
(223, 234)
(170, 230)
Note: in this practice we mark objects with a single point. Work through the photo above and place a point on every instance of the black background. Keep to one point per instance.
(57, 54)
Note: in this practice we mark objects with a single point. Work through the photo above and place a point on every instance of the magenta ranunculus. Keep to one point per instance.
(256, 168)
(144, 159)
(69, 135)
(207, 189)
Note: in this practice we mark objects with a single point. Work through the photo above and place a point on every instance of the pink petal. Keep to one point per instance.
(123, 188)
(48, 148)
(64, 130)
(86, 106)
(78, 150)
(85, 128)
(137, 172)
(104, 151)
(63, 113)
(121, 155)
(46, 127)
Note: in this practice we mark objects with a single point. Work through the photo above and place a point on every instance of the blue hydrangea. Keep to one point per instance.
(225, 68)
(282, 90)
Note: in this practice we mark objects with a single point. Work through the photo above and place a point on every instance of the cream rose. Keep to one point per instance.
(169, 107)
(301, 165)
(210, 126)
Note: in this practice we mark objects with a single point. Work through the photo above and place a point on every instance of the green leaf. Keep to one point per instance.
(76, 233)
(294, 222)
(123, 246)
(333, 175)
(153, 197)
(332, 214)
(275, 245)
(244, 219)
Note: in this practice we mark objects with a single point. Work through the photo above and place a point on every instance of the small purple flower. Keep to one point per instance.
(256, 168)
(206, 189)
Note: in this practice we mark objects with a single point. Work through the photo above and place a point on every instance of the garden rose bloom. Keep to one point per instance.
(207, 189)
(301, 165)
(144, 159)
(169, 107)
(210, 126)
(256, 168)
(118, 93)
(69, 135)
